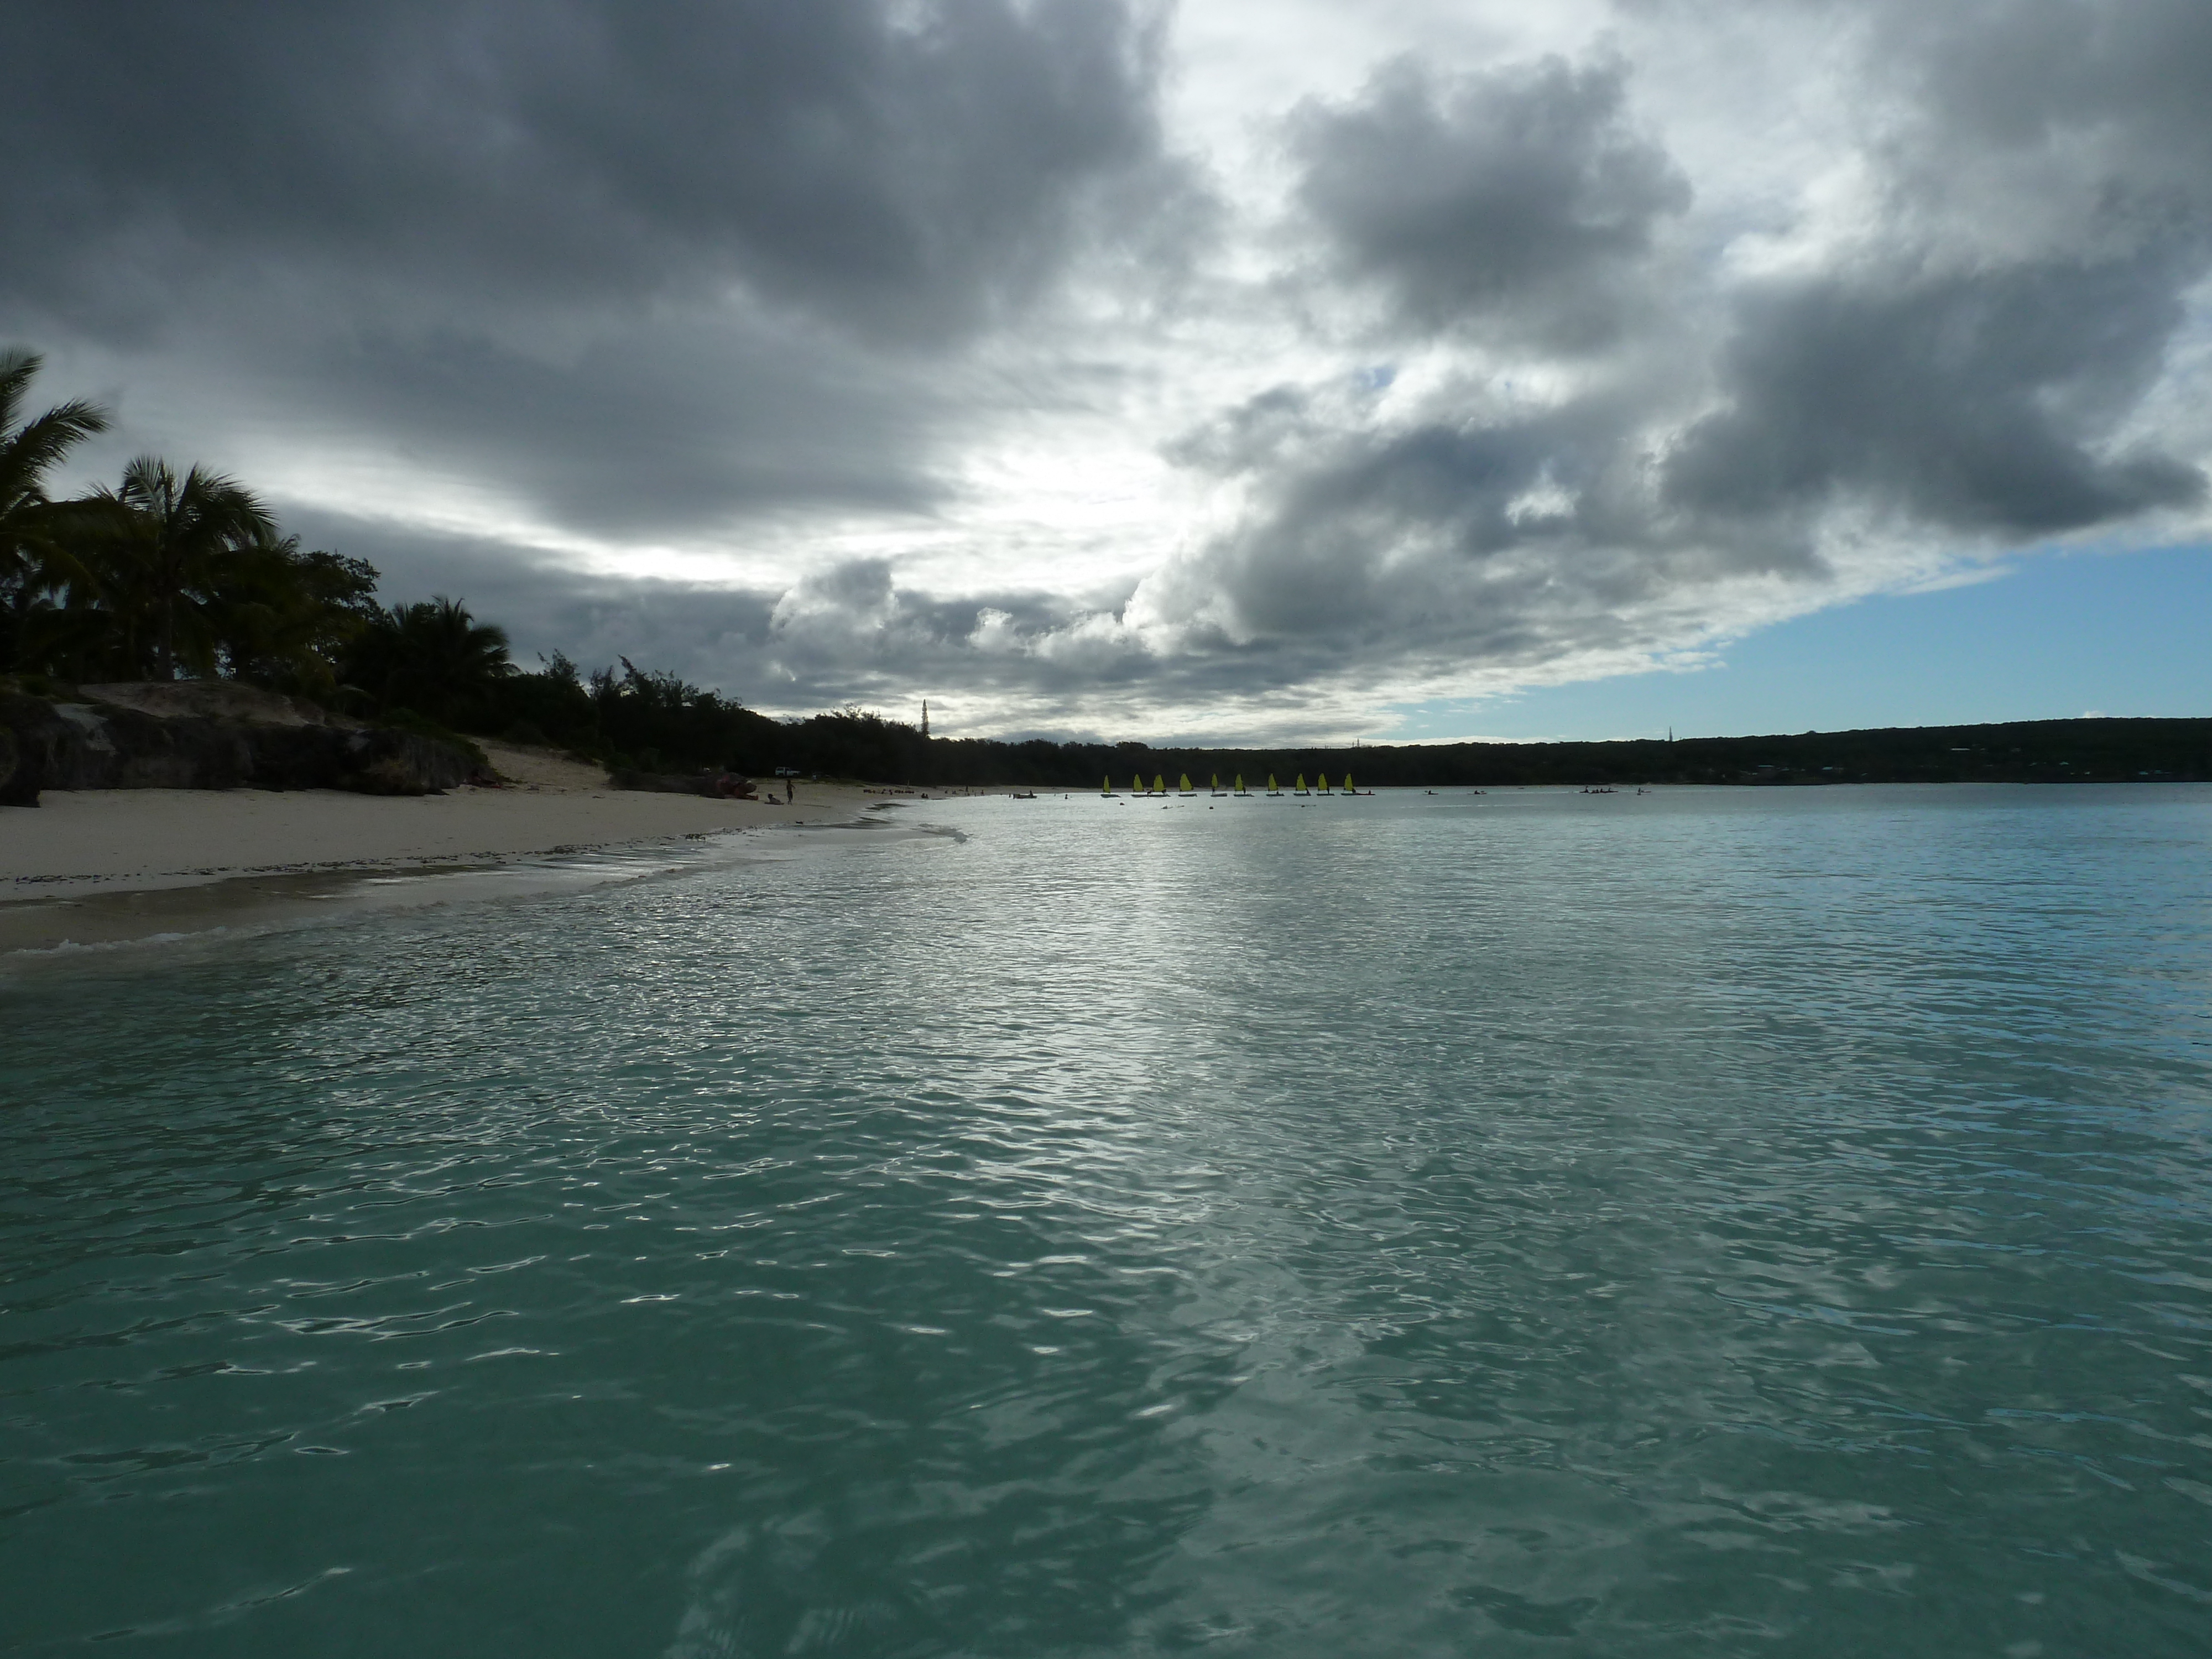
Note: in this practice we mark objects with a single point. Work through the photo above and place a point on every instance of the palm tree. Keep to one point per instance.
(34, 558)
(432, 657)
(175, 541)
(283, 617)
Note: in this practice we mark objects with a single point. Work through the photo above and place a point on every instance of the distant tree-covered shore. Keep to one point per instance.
(171, 574)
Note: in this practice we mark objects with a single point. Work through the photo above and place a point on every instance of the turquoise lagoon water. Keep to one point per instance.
(1712, 1223)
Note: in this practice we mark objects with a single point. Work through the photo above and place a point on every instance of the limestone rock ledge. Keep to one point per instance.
(207, 734)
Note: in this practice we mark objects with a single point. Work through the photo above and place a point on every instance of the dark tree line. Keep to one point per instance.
(160, 575)
(170, 574)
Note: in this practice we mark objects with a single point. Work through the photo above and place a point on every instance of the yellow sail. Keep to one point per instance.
(1271, 784)
(1348, 789)
(1324, 783)
(1106, 786)
(1302, 783)
(1216, 779)
(1137, 785)
(1240, 783)
(1160, 784)
(1185, 786)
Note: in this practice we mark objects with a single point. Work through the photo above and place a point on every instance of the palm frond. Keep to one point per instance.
(18, 368)
(42, 443)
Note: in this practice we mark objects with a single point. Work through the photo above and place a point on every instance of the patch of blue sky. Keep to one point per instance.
(2055, 636)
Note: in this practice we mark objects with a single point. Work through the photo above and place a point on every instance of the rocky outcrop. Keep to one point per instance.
(17, 786)
(720, 785)
(206, 735)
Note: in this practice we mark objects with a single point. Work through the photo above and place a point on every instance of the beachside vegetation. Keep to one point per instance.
(165, 573)
(35, 561)
(186, 573)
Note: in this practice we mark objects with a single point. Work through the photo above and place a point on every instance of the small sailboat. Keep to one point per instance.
(1324, 790)
(1272, 787)
(1302, 789)
(1159, 783)
(1241, 789)
(1106, 785)
(1217, 783)
(1348, 789)
(1185, 788)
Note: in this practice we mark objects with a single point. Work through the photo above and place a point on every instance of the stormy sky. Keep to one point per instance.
(1245, 367)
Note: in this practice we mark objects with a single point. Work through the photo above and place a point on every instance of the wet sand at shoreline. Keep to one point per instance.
(89, 866)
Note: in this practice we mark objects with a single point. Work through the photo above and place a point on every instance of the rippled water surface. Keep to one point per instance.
(1733, 1222)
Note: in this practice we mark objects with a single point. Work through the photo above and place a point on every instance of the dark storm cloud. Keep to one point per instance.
(2130, 81)
(1520, 198)
(1496, 540)
(640, 266)
(659, 425)
(899, 171)
(1974, 400)
(1520, 205)
(2049, 203)
(1969, 363)
(1352, 524)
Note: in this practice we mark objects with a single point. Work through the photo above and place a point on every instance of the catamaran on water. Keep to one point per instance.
(1274, 791)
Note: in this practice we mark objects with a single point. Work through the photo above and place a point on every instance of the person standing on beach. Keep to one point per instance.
(790, 791)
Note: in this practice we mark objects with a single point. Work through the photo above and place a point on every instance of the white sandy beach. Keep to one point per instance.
(60, 859)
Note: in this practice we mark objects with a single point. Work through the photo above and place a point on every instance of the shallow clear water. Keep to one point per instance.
(1729, 1222)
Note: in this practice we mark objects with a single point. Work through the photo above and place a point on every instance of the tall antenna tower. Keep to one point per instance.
(925, 718)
